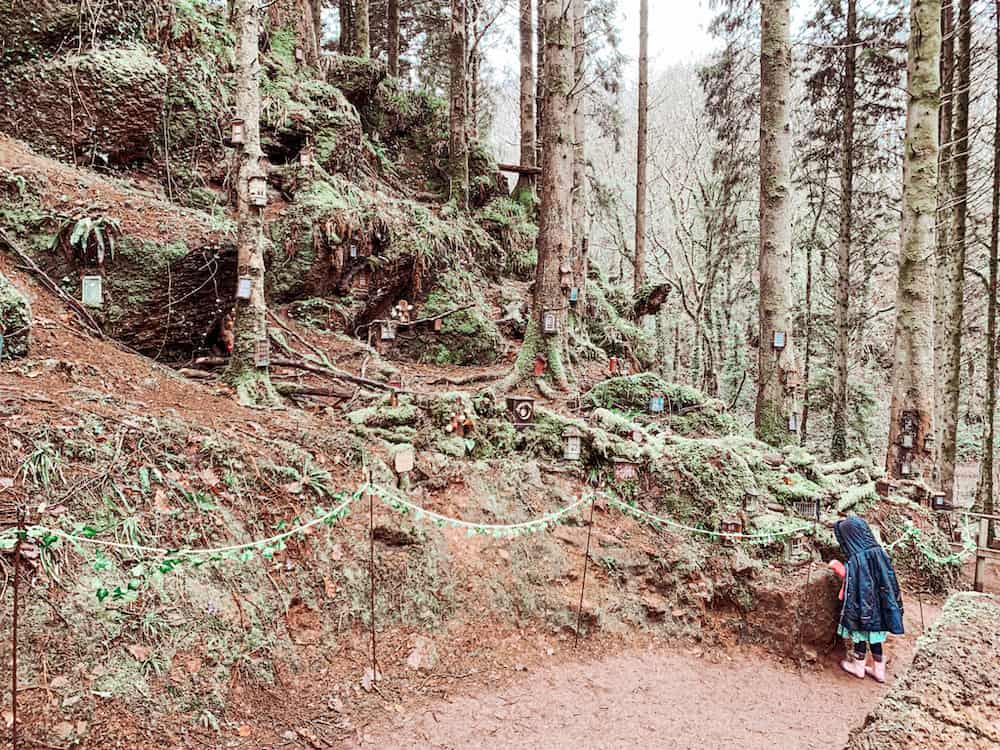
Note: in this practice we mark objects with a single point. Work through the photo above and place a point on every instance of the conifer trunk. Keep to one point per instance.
(984, 492)
(252, 383)
(580, 219)
(640, 153)
(362, 29)
(526, 30)
(775, 400)
(346, 27)
(555, 230)
(458, 146)
(951, 271)
(539, 76)
(298, 17)
(913, 361)
(392, 24)
(842, 306)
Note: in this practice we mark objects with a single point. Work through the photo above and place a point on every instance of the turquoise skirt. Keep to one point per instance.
(862, 636)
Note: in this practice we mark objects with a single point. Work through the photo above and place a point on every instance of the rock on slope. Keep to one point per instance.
(950, 697)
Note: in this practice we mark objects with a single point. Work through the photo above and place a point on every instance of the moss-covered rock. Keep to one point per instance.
(15, 320)
(103, 106)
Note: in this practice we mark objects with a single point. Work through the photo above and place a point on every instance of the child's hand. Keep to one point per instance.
(838, 567)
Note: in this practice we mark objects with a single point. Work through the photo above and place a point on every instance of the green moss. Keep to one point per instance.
(15, 320)
(703, 479)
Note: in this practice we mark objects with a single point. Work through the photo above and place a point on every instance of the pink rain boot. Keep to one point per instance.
(877, 671)
(854, 666)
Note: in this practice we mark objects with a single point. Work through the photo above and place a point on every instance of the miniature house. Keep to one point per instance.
(793, 422)
(244, 287)
(92, 290)
(808, 508)
(731, 525)
(257, 190)
(522, 410)
(905, 468)
(353, 249)
(750, 498)
(438, 324)
(613, 365)
(625, 470)
(262, 352)
(939, 501)
(237, 132)
(779, 340)
(387, 331)
(572, 444)
(300, 55)
(550, 323)
(906, 440)
(574, 296)
(306, 157)
(540, 364)
(928, 442)
(656, 403)
(403, 461)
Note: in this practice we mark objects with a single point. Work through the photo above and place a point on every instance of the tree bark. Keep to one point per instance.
(984, 491)
(298, 17)
(392, 24)
(842, 306)
(773, 409)
(640, 153)
(580, 219)
(526, 29)
(346, 27)
(951, 271)
(252, 383)
(913, 361)
(945, 196)
(458, 145)
(362, 29)
(555, 230)
(539, 76)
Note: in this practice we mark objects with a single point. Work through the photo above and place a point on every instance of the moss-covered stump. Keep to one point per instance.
(15, 321)
(357, 77)
(607, 319)
(101, 107)
(467, 337)
(686, 410)
(950, 695)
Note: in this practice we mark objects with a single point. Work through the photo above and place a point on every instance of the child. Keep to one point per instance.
(873, 605)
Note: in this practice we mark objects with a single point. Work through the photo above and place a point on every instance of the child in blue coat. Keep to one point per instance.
(873, 604)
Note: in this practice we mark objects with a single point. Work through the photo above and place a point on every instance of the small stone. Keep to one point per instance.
(71, 701)
(290, 735)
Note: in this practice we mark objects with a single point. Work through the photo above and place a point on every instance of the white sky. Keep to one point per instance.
(677, 32)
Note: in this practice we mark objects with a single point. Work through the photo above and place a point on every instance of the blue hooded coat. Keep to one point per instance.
(872, 600)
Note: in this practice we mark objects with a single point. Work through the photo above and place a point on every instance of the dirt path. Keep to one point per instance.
(656, 699)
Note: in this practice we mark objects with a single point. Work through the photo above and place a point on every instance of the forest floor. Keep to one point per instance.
(664, 696)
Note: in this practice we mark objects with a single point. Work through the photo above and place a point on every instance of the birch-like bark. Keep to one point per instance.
(913, 361)
(775, 392)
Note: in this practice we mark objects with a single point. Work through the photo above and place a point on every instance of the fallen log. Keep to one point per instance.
(519, 169)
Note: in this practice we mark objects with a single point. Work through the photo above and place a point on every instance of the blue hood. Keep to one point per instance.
(872, 599)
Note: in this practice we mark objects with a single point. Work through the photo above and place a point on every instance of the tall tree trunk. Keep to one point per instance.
(774, 401)
(555, 230)
(526, 28)
(842, 306)
(580, 221)
(945, 197)
(362, 29)
(913, 361)
(952, 271)
(539, 76)
(984, 499)
(392, 29)
(458, 145)
(474, 59)
(298, 16)
(640, 151)
(346, 27)
(252, 383)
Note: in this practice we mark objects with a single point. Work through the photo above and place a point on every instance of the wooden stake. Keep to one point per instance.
(583, 582)
(371, 574)
(13, 634)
